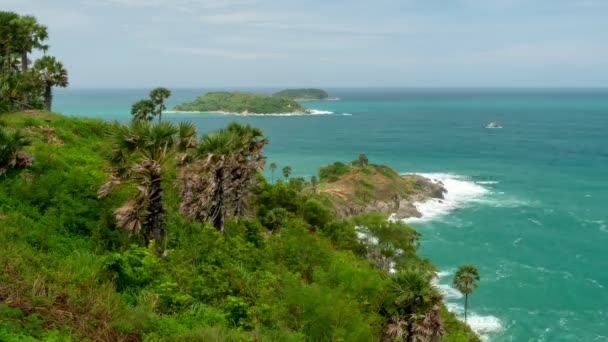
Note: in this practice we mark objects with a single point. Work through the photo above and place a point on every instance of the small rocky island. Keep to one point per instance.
(361, 187)
(241, 103)
(303, 94)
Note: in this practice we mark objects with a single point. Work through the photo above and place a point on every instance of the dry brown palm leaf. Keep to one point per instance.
(396, 329)
(130, 216)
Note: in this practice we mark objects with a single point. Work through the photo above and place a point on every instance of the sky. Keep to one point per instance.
(331, 43)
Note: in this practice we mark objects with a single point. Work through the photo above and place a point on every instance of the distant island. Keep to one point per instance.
(241, 103)
(303, 94)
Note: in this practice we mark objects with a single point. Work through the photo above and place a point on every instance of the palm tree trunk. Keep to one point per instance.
(24, 70)
(24, 62)
(466, 304)
(160, 111)
(48, 97)
(154, 218)
(272, 176)
(218, 219)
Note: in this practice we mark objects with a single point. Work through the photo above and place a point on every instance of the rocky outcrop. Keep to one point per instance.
(380, 189)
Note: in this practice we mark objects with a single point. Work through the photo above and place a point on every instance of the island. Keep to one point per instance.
(358, 187)
(304, 94)
(241, 103)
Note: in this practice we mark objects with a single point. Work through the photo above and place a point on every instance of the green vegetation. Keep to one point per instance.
(465, 281)
(284, 268)
(22, 87)
(303, 94)
(241, 103)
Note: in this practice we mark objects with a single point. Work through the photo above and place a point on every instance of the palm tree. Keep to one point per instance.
(286, 172)
(143, 110)
(158, 97)
(313, 184)
(222, 174)
(50, 73)
(139, 152)
(415, 309)
(29, 35)
(273, 167)
(465, 281)
(11, 150)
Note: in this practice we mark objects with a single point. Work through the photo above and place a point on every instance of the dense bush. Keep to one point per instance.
(333, 172)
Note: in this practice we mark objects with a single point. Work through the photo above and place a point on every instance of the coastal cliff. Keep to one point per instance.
(359, 187)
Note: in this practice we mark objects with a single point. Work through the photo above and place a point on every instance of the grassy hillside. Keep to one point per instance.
(303, 94)
(235, 102)
(290, 272)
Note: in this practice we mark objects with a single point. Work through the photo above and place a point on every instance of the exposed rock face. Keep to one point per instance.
(381, 189)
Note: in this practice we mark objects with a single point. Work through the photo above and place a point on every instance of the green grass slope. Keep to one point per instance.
(67, 273)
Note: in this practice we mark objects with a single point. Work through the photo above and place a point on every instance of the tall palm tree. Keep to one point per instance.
(273, 167)
(465, 281)
(139, 152)
(50, 73)
(158, 97)
(143, 110)
(286, 172)
(30, 35)
(222, 173)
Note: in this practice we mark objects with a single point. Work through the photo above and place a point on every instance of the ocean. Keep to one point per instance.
(527, 203)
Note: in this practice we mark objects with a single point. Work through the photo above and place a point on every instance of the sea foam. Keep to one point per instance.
(459, 191)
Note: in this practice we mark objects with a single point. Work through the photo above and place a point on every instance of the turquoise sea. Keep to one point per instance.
(527, 204)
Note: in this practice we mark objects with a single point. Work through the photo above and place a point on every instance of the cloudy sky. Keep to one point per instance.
(380, 43)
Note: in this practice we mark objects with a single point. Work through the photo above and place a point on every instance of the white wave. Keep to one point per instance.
(459, 191)
(320, 112)
(483, 325)
(347, 114)
(487, 182)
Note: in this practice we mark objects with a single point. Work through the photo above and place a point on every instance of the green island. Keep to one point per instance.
(241, 103)
(303, 94)
(148, 231)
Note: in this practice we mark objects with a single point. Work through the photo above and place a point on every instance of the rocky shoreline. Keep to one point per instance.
(398, 207)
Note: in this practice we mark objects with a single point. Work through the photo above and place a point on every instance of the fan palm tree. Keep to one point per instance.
(273, 167)
(50, 73)
(11, 150)
(222, 174)
(158, 97)
(415, 308)
(465, 281)
(286, 172)
(139, 152)
(143, 110)
(29, 35)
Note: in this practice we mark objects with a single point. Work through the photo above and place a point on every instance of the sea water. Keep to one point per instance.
(527, 204)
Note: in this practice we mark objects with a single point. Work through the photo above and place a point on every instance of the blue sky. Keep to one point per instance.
(381, 43)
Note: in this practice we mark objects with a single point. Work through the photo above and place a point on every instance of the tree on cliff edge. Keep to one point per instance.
(465, 281)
